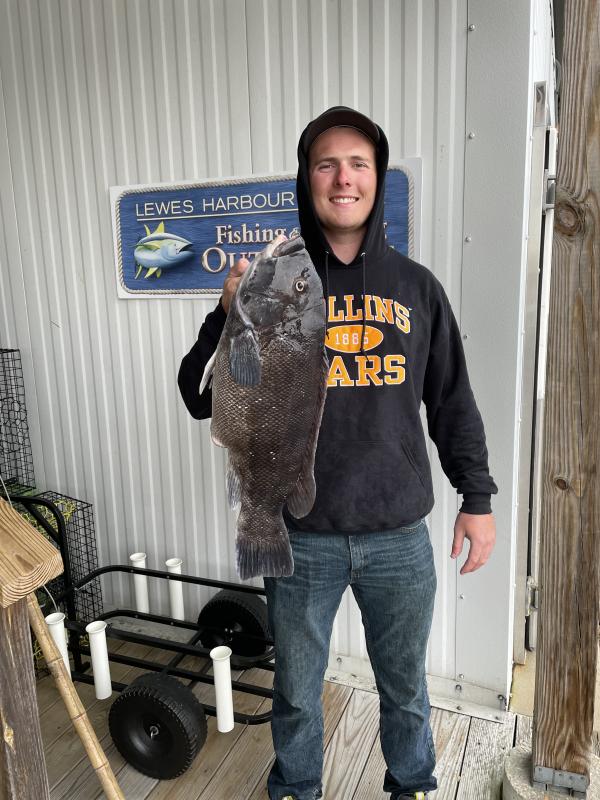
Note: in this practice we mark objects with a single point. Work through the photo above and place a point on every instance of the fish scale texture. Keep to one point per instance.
(270, 431)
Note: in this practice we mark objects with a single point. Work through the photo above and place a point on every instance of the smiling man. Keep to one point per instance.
(393, 343)
(343, 182)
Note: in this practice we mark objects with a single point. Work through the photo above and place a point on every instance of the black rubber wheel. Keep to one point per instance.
(158, 725)
(235, 613)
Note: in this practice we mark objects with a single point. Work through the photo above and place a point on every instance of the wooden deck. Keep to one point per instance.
(234, 766)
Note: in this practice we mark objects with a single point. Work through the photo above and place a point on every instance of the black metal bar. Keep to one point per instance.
(156, 573)
(244, 719)
(240, 662)
(175, 623)
(186, 674)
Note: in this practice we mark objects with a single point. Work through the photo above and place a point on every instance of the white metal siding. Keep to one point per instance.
(114, 93)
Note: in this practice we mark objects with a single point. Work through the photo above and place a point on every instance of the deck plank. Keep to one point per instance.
(470, 752)
(523, 733)
(334, 699)
(488, 745)
(350, 746)
(450, 733)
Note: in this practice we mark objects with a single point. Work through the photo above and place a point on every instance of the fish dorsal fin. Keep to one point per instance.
(147, 230)
(302, 497)
(244, 358)
(208, 372)
(160, 228)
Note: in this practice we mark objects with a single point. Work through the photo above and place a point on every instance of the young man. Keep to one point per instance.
(393, 342)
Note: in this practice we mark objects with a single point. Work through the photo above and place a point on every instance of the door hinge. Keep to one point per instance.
(549, 192)
(532, 596)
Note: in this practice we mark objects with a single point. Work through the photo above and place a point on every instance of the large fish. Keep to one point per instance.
(269, 386)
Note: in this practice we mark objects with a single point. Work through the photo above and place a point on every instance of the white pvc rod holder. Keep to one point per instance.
(222, 673)
(56, 626)
(173, 566)
(140, 583)
(100, 666)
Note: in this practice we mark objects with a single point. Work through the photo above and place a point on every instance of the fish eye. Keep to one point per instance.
(300, 286)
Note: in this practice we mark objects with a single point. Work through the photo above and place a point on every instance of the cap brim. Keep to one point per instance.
(345, 118)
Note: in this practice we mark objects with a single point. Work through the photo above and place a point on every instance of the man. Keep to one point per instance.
(393, 342)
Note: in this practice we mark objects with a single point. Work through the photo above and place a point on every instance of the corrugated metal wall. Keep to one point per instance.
(115, 93)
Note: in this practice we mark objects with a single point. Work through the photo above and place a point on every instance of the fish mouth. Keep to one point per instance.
(288, 247)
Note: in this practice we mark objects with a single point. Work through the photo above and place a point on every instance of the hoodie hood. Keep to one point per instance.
(374, 242)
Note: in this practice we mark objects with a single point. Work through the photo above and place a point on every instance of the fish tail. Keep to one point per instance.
(269, 556)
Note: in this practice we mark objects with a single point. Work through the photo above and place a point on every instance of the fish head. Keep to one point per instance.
(175, 250)
(280, 285)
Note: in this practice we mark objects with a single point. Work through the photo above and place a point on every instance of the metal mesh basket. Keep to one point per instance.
(16, 461)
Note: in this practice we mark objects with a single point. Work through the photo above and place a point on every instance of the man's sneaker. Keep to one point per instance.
(413, 796)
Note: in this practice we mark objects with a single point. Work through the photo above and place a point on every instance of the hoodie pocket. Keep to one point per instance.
(412, 461)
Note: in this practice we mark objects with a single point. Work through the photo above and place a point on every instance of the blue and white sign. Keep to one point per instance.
(181, 240)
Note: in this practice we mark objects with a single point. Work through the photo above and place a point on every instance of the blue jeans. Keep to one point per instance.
(393, 579)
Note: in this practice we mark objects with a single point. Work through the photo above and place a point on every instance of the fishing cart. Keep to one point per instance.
(156, 722)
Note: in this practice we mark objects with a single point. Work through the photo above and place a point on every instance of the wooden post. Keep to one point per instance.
(570, 519)
(27, 561)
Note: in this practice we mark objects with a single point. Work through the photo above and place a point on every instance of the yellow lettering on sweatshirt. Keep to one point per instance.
(332, 315)
(395, 373)
(384, 309)
(368, 373)
(338, 374)
(402, 317)
(351, 314)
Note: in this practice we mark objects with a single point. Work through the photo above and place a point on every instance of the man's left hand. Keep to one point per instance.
(480, 530)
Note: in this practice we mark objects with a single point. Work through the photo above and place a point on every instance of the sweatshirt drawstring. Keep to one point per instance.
(364, 303)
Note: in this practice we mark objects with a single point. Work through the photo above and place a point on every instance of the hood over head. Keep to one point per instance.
(373, 243)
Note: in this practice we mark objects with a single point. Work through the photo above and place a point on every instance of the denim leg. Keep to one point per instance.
(302, 608)
(394, 584)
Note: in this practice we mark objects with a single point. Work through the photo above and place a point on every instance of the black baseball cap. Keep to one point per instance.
(339, 116)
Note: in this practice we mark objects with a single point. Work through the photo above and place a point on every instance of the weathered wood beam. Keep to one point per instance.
(22, 764)
(570, 520)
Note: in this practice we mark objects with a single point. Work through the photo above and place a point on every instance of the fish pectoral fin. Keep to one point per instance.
(208, 373)
(244, 358)
(302, 497)
(234, 486)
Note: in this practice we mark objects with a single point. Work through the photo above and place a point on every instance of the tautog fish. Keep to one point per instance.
(269, 386)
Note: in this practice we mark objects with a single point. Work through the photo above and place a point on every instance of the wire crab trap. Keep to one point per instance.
(16, 461)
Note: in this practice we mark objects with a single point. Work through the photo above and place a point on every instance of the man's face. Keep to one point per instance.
(343, 179)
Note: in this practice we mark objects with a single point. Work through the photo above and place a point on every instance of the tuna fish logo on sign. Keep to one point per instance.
(181, 240)
(160, 250)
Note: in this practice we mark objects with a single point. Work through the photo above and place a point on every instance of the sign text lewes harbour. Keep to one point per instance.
(208, 206)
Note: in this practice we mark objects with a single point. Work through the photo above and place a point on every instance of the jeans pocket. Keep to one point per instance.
(410, 528)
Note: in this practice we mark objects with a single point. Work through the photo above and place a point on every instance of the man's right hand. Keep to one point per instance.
(231, 282)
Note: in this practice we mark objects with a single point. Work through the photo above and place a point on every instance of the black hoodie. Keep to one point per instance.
(393, 342)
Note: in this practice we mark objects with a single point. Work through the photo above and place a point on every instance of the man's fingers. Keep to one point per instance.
(240, 266)
(457, 543)
(478, 555)
(231, 281)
